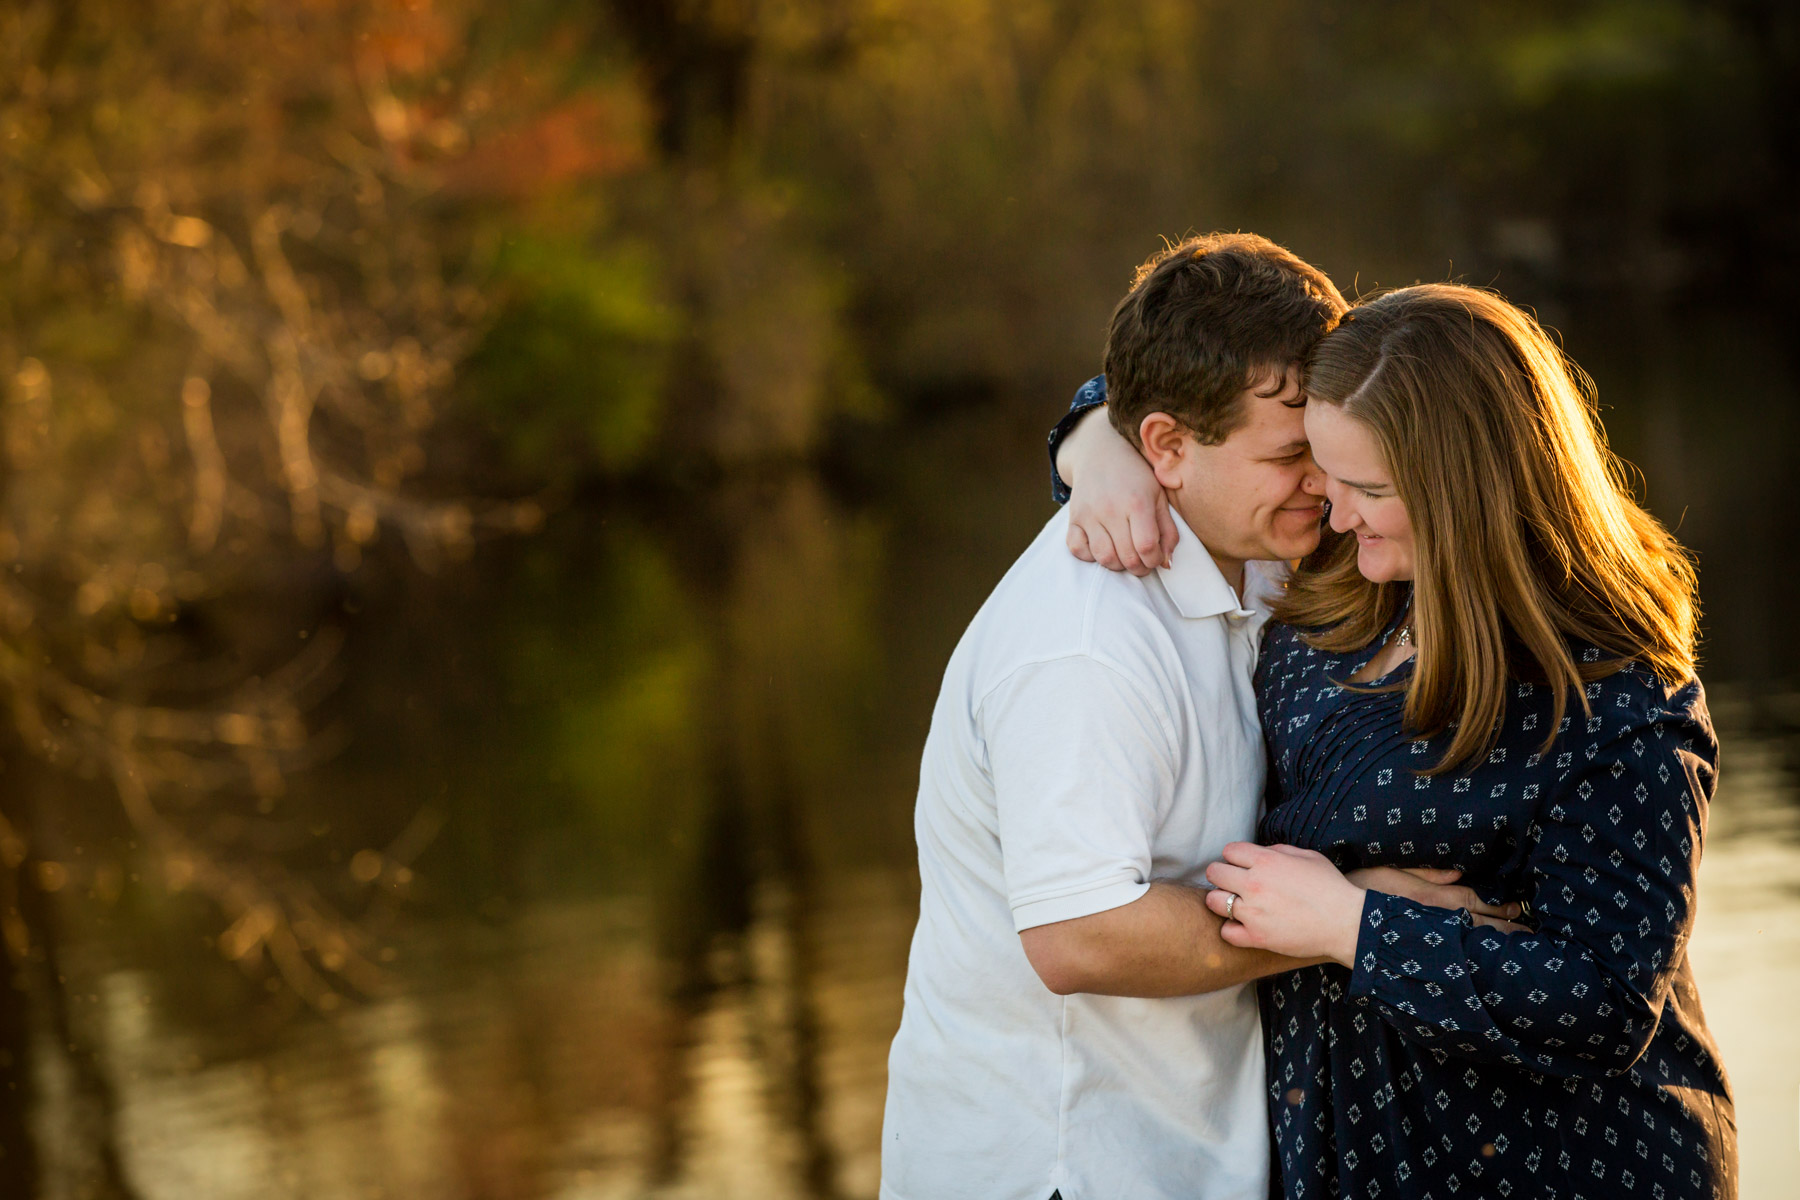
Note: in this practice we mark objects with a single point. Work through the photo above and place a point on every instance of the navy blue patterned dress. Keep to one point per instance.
(1455, 1061)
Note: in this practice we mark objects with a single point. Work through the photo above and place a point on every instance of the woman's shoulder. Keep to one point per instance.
(1632, 686)
(1633, 707)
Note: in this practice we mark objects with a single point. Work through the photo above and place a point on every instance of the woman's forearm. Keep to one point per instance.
(1614, 902)
(1120, 516)
(1528, 999)
(1080, 444)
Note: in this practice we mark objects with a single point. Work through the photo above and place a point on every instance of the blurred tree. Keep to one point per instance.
(245, 249)
(228, 327)
(241, 250)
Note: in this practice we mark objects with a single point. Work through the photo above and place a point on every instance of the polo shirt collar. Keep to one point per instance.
(1194, 581)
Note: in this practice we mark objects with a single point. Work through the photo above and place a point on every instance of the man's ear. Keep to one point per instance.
(1167, 444)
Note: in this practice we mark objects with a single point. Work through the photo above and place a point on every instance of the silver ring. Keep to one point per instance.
(1230, 903)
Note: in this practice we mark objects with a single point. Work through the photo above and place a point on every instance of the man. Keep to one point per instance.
(1074, 1023)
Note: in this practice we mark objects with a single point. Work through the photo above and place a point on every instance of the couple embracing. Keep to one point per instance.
(1341, 838)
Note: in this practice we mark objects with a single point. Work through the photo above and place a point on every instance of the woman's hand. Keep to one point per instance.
(1291, 901)
(1118, 515)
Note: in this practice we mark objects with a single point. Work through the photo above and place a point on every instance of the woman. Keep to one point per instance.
(1488, 664)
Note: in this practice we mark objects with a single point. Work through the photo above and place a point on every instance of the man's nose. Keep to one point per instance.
(1313, 482)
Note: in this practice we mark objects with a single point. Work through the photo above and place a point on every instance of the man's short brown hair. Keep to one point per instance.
(1206, 319)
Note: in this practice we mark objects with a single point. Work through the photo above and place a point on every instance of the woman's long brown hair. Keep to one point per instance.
(1527, 537)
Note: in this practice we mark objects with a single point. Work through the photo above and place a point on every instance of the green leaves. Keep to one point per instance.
(571, 373)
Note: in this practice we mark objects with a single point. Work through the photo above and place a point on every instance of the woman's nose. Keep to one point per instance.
(1341, 516)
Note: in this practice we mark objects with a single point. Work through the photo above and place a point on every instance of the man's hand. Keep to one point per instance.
(1438, 888)
(1119, 515)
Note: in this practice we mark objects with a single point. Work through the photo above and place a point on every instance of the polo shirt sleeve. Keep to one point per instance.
(1084, 769)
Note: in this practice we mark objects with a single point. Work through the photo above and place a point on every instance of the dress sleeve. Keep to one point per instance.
(1091, 394)
(1612, 857)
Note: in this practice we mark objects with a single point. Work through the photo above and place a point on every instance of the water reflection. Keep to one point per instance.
(656, 950)
(567, 1058)
(550, 1063)
(651, 953)
(1746, 945)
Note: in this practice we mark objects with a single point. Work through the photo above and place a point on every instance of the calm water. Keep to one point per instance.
(653, 945)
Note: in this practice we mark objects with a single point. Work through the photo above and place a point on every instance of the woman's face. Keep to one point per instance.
(1361, 490)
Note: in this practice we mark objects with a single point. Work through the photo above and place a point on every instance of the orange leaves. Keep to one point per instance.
(596, 134)
(412, 37)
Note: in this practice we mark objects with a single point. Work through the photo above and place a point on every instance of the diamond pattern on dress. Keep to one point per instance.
(1520, 1059)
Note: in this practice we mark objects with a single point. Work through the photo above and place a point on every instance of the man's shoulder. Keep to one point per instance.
(1050, 605)
(1056, 599)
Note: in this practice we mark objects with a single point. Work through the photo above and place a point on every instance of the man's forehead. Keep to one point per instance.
(1272, 424)
(1284, 406)
(1276, 382)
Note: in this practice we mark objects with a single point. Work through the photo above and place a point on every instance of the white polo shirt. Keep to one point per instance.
(1095, 731)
